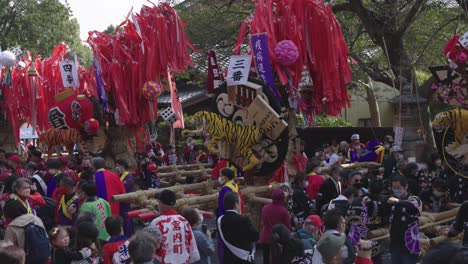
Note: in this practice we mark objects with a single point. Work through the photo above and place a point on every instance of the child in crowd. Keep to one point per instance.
(61, 254)
(88, 238)
(114, 228)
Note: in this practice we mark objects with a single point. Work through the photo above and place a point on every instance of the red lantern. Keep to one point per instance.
(91, 126)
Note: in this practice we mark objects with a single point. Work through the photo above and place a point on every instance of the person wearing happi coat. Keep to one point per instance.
(67, 207)
(108, 184)
(128, 180)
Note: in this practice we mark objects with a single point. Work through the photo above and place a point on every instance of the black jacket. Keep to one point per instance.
(239, 231)
(328, 191)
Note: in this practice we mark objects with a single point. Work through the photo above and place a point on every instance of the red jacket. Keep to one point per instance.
(272, 214)
(112, 247)
(315, 181)
(359, 260)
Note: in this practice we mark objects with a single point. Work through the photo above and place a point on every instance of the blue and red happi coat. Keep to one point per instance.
(109, 184)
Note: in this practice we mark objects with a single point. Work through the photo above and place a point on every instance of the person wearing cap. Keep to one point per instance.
(311, 231)
(226, 180)
(356, 143)
(108, 184)
(178, 243)
(333, 251)
(17, 163)
(390, 163)
(272, 214)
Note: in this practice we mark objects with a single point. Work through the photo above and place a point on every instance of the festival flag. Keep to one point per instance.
(259, 44)
(100, 85)
(215, 78)
(175, 102)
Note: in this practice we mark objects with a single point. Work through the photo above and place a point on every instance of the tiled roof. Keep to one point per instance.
(188, 94)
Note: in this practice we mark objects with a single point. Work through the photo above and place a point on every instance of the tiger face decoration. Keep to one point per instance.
(451, 135)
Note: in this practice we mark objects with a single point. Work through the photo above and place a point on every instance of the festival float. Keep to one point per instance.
(288, 70)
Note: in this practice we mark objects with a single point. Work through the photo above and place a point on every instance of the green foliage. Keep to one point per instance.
(109, 30)
(328, 121)
(38, 26)
(325, 121)
(213, 25)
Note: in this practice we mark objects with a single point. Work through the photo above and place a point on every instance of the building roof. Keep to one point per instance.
(189, 94)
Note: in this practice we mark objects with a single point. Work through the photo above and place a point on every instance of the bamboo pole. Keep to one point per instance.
(183, 167)
(150, 193)
(185, 173)
(420, 228)
(255, 199)
(197, 200)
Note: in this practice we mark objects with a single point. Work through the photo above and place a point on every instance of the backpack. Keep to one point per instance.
(36, 244)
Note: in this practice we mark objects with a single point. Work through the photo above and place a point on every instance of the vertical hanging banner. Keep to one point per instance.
(238, 70)
(100, 85)
(215, 78)
(69, 72)
(175, 103)
(259, 44)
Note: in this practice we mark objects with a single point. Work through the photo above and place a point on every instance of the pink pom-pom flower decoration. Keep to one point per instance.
(461, 58)
(286, 52)
(151, 90)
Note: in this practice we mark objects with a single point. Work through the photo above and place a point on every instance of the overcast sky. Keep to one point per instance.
(99, 14)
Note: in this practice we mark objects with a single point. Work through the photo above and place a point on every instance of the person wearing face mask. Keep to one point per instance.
(335, 225)
(205, 244)
(331, 158)
(404, 228)
(436, 198)
(272, 214)
(288, 192)
(226, 180)
(36, 178)
(311, 231)
(302, 204)
(356, 143)
(330, 188)
(28, 198)
(343, 201)
(126, 177)
(437, 169)
(356, 181)
(390, 163)
(314, 178)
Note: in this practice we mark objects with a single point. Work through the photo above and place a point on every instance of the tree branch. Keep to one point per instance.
(464, 5)
(342, 7)
(411, 15)
(374, 74)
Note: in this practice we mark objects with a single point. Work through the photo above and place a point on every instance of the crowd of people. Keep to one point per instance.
(61, 210)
